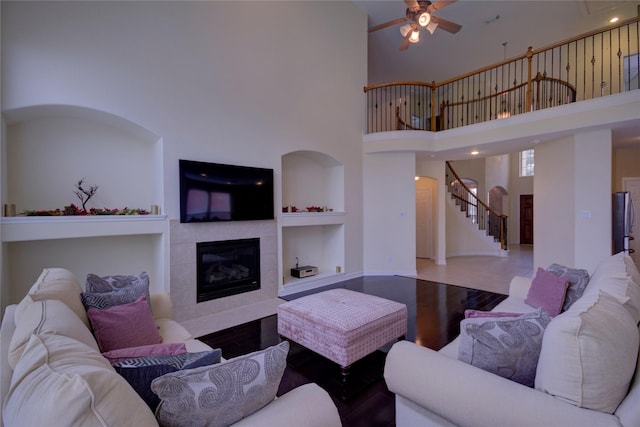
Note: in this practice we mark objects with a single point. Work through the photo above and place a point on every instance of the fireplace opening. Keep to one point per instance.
(227, 268)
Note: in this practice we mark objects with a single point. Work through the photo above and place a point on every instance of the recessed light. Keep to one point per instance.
(614, 19)
(474, 153)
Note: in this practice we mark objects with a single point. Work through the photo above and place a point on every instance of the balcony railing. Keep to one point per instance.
(599, 63)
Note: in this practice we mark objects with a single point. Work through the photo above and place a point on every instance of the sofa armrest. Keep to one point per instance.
(519, 287)
(468, 396)
(161, 305)
(304, 406)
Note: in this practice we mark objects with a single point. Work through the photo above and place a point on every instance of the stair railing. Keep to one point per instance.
(494, 223)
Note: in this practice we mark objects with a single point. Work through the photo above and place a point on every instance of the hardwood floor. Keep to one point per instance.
(434, 314)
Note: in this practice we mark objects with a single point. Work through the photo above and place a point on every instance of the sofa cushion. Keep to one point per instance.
(589, 353)
(505, 346)
(164, 349)
(141, 371)
(47, 317)
(59, 378)
(578, 279)
(547, 291)
(611, 276)
(126, 325)
(222, 394)
(55, 283)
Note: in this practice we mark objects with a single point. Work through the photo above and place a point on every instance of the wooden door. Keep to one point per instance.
(424, 222)
(526, 219)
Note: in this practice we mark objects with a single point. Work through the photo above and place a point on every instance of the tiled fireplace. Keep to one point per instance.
(185, 240)
(227, 267)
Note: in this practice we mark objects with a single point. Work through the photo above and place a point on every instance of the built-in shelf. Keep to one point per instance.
(28, 228)
(294, 284)
(311, 178)
(299, 219)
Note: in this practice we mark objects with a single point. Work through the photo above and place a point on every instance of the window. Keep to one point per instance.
(526, 163)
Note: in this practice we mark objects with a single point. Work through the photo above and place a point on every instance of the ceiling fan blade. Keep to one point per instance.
(440, 4)
(412, 5)
(446, 25)
(405, 42)
(387, 24)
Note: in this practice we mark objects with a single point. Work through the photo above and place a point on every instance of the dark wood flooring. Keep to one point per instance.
(434, 314)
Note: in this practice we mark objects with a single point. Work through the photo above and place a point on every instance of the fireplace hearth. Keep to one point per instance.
(228, 267)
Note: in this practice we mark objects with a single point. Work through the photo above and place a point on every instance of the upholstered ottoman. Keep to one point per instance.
(342, 325)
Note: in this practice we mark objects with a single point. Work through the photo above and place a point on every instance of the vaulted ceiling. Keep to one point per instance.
(491, 31)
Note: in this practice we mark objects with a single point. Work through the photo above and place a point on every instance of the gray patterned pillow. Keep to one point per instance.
(97, 284)
(126, 295)
(578, 280)
(509, 347)
(222, 394)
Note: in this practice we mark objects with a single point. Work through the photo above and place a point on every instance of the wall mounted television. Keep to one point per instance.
(211, 192)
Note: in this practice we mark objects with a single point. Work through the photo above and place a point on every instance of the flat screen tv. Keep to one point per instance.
(212, 192)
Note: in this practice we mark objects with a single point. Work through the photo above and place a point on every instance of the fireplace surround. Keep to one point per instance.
(227, 267)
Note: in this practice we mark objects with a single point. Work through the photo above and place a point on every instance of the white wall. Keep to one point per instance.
(227, 82)
(390, 223)
(592, 198)
(572, 200)
(497, 174)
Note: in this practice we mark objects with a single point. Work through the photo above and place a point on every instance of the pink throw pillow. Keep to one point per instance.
(126, 325)
(547, 291)
(471, 314)
(165, 349)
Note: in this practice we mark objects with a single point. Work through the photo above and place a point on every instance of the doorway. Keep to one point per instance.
(426, 192)
(632, 185)
(526, 219)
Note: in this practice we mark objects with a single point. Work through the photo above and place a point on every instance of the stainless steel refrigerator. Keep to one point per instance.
(623, 219)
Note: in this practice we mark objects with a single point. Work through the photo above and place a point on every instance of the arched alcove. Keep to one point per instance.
(312, 179)
(496, 198)
(46, 150)
(49, 148)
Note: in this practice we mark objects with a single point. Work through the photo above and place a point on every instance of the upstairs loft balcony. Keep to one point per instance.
(596, 64)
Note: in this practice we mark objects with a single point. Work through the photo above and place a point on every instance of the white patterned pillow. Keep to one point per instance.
(506, 346)
(222, 394)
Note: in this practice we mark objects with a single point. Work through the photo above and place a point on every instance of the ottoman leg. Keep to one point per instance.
(344, 370)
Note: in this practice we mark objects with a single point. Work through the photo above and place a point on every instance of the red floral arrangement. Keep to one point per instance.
(84, 195)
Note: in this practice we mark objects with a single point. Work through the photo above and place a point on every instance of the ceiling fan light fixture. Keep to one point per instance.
(404, 30)
(432, 27)
(424, 18)
(415, 36)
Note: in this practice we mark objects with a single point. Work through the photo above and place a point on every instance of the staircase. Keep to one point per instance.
(478, 212)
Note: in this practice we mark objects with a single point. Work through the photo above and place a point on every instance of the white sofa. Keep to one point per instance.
(434, 388)
(100, 391)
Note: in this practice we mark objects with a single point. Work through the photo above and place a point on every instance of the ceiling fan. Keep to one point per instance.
(419, 13)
